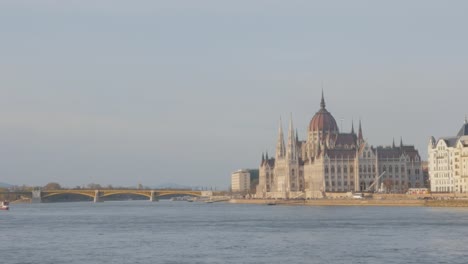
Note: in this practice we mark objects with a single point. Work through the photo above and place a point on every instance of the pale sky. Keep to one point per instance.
(128, 92)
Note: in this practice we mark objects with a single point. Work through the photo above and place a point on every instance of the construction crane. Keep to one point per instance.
(375, 182)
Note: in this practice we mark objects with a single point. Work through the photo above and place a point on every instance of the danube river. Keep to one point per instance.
(182, 232)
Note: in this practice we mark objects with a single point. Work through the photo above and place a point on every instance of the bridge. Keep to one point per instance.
(38, 195)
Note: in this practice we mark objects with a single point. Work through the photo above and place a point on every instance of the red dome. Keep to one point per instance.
(323, 120)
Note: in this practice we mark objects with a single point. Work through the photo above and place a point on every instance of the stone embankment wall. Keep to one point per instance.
(388, 201)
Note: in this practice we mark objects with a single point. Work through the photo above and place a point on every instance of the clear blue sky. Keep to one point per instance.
(127, 92)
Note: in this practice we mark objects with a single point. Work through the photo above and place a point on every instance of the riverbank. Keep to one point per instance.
(357, 202)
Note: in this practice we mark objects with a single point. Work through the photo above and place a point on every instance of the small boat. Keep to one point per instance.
(5, 205)
(271, 203)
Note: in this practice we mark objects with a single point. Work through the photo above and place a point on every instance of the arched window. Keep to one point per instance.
(338, 169)
(360, 168)
(384, 168)
(345, 169)
(326, 169)
(351, 169)
(390, 168)
(332, 169)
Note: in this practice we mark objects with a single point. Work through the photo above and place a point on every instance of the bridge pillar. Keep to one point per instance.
(36, 196)
(97, 199)
(153, 197)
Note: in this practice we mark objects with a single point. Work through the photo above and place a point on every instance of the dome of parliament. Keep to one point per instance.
(323, 120)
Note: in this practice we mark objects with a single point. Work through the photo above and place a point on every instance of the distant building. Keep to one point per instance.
(448, 162)
(332, 161)
(240, 181)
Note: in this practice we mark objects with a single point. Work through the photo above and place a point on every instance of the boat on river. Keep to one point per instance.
(5, 205)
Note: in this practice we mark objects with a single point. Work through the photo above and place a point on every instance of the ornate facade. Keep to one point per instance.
(448, 162)
(332, 161)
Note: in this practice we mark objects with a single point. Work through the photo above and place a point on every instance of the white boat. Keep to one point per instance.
(5, 205)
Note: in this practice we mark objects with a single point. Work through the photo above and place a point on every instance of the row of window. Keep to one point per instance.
(368, 169)
(345, 183)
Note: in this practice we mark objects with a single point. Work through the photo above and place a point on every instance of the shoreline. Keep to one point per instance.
(357, 202)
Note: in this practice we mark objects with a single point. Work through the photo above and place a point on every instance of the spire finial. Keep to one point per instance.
(361, 138)
(393, 145)
(352, 126)
(322, 102)
(401, 141)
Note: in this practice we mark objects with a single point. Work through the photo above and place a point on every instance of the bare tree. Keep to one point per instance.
(52, 186)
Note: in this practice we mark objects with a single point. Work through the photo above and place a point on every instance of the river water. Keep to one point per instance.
(182, 232)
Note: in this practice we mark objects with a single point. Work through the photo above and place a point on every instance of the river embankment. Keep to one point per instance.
(358, 202)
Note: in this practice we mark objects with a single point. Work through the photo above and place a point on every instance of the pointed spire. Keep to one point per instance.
(280, 148)
(401, 142)
(322, 102)
(352, 127)
(393, 145)
(263, 157)
(266, 156)
(291, 151)
(297, 136)
(360, 137)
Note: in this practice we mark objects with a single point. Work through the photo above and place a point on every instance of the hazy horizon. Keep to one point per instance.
(185, 92)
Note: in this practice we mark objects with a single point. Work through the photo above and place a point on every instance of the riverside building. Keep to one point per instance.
(333, 161)
(448, 162)
(240, 181)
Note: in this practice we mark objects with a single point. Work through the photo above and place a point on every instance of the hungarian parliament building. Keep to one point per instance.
(333, 161)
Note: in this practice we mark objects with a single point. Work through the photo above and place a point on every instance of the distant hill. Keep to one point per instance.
(5, 185)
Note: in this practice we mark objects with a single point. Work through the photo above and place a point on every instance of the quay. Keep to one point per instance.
(359, 202)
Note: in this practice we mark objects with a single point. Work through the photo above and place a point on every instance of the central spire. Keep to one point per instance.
(280, 148)
(322, 103)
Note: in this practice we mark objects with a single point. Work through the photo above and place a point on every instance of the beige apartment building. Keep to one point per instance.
(448, 162)
(240, 181)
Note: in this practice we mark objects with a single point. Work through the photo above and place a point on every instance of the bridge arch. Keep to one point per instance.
(107, 194)
(177, 193)
(91, 195)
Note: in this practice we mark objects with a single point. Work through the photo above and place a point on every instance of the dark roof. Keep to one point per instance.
(397, 152)
(270, 162)
(341, 153)
(346, 139)
(463, 131)
(450, 141)
(388, 152)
